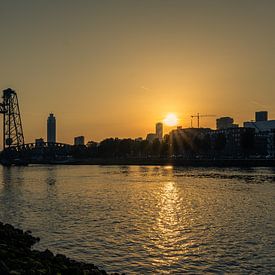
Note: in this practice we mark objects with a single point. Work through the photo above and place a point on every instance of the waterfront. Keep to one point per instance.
(141, 219)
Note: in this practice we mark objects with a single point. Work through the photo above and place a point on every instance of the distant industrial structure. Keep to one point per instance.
(51, 128)
(15, 150)
(12, 124)
(198, 116)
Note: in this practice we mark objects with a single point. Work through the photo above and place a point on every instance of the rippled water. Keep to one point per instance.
(139, 219)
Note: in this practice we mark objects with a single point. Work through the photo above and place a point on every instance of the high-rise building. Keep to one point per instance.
(79, 140)
(159, 130)
(261, 116)
(51, 128)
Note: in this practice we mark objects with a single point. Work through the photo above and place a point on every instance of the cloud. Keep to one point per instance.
(145, 88)
(259, 104)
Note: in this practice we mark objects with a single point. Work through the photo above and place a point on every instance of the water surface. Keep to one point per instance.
(147, 219)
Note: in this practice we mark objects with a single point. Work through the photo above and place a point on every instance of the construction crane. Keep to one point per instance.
(198, 116)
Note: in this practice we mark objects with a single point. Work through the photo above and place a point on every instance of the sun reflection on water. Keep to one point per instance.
(167, 230)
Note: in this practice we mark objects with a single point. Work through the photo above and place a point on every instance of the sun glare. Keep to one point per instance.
(171, 120)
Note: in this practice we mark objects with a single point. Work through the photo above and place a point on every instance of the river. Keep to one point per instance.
(147, 219)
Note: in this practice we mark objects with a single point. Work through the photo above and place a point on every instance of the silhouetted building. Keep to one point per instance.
(261, 124)
(79, 140)
(261, 116)
(51, 128)
(271, 143)
(151, 137)
(225, 123)
(190, 142)
(233, 142)
(39, 142)
(159, 130)
(265, 143)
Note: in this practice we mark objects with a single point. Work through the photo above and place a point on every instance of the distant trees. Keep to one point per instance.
(108, 147)
(122, 148)
(80, 152)
(185, 143)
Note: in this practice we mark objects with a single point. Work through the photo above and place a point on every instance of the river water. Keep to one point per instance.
(147, 219)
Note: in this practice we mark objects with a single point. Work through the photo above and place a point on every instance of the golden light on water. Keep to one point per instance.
(171, 120)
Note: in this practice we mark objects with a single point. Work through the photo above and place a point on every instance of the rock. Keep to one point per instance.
(47, 254)
(17, 257)
(3, 268)
(15, 272)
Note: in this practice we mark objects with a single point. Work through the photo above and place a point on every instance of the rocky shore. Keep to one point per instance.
(17, 257)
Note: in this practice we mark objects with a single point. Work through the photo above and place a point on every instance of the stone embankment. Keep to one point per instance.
(17, 257)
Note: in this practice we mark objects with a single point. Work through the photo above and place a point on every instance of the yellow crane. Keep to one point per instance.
(198, 116)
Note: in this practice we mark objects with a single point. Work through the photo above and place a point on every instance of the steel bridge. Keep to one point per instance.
(45, 145)
(14, 147)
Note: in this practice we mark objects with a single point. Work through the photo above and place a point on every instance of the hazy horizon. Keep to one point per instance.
(114, 69)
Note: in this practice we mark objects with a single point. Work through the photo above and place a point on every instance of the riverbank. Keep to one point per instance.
(17, 257)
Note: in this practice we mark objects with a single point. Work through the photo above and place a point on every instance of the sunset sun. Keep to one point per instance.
(171, 120)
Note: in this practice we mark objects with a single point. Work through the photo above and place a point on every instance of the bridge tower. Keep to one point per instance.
(12, 124)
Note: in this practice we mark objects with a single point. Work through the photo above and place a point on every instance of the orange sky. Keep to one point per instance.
(115, 68)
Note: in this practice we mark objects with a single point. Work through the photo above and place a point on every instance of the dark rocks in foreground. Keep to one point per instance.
(17, 257)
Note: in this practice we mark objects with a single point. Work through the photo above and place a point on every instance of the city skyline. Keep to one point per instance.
(170, 123)
(137, 136)
(114, 69)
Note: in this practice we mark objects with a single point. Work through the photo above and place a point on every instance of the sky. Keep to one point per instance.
(115, 68)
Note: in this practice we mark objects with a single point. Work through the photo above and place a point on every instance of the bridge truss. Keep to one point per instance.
(12, 124)
(15, 150)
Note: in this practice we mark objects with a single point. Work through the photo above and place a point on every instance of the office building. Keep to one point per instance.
(261, 116)
(233, 141)
(261, 124)
(187, 142)
(79, 140)
(51, 128)
(159, 130)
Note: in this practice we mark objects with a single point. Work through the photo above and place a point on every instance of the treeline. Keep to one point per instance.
(187, 145)
(115, 148)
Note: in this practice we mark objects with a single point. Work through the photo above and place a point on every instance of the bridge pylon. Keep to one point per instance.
(12, 124)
